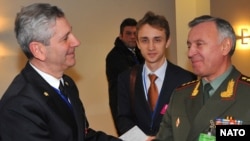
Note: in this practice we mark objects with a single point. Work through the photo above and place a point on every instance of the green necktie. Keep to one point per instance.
(206, 95)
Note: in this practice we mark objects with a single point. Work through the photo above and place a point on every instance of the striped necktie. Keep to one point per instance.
(62, 89)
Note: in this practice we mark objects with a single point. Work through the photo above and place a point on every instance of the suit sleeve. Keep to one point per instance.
(125, 114)
(93, 135)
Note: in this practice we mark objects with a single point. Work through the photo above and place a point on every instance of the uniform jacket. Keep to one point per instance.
(31, 110)
(139, 112)
(186, 116)
(118, 60)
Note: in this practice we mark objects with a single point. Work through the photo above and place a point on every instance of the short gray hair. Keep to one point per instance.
(33, 23)
(224, 28)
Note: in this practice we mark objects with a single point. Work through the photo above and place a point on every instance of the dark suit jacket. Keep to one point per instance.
(118, 60)
(139, 114)
(186, 116)
(31, 110)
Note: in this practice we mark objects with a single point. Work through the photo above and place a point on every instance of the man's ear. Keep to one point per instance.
(226, 46)
(38, 50)
(168, 42)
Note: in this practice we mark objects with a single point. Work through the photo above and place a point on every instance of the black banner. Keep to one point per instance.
(235, 132)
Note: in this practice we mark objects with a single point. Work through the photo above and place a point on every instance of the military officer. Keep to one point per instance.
(211, 43)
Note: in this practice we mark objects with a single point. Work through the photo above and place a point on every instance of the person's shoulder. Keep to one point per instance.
(112, 51)
(176, 67)
(181, 71)
(116, 52)
(245, 79)
(189, 84)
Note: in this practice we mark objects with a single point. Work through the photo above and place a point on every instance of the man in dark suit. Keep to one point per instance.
(124, 55)
(34, 108)
(153, 37)
(192, 116)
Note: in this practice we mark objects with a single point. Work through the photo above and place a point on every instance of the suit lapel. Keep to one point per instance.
(77, 109)
(164, 93)
(194, 103)
(140, 93)
(56, 103)
(208, 112)
(49, 94)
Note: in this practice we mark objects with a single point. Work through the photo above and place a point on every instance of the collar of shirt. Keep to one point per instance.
(217, 82)
(160, 72)
(54, 82)
(132, 49)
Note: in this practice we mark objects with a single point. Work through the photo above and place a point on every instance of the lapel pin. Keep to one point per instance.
(45, 93)
(66, 83)
(177, 123)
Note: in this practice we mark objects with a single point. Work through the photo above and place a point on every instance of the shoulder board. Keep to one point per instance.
(245, 78)
(189, 83)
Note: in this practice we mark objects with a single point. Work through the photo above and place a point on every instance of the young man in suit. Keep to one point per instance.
(124, 55)
(34, 108)
(190, 115)
(153, 38)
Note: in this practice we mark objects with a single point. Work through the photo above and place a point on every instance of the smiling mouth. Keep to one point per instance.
(71, 54)
(151, 54)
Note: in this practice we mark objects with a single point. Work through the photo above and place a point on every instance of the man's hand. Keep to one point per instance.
(150, 138)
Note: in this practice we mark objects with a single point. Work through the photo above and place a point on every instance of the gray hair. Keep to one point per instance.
(34, 23)
(224, 28)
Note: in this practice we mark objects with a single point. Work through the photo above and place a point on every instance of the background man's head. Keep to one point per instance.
(128, 32)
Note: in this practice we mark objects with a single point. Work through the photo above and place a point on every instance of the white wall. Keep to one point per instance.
(185, 12)
(96, 24)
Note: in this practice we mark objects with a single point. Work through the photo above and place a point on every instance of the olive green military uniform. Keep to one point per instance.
(187, 117)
